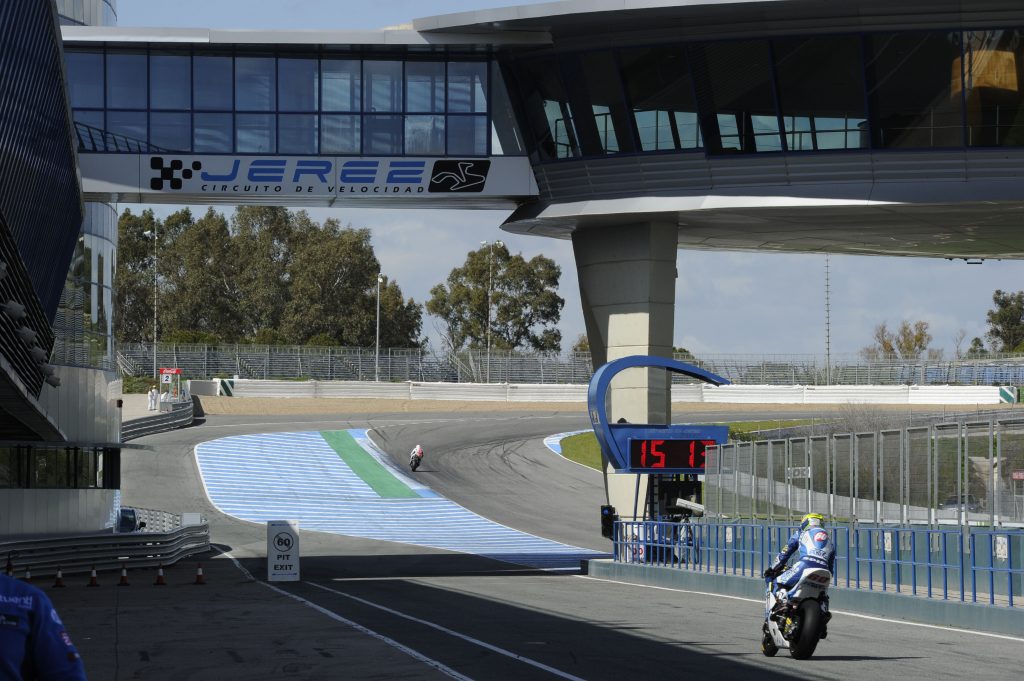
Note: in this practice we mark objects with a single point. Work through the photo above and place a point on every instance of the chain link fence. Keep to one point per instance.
(502, 366)
(943, 474)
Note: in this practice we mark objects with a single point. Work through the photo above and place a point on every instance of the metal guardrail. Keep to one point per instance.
(158, 521)
(969, 565)
(182, 414)
(503, 366)
(107, 551)
(964, 472)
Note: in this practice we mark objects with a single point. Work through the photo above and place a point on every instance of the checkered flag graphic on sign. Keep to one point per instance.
(169, 173)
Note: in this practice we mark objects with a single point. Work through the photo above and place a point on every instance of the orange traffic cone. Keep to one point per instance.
(160, 577)
(124, 576)
(92, 578)
(199, 574)
(59, 582)
(28, 574)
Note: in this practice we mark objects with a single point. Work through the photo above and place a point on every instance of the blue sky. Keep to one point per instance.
(725, 302)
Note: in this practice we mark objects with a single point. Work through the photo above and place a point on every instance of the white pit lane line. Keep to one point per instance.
(415, 654)
(450, 632)
(440, 666)
(834, 612)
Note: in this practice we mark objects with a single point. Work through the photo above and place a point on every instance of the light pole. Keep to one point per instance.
(490, 282)
(376, 358)
(153, 235)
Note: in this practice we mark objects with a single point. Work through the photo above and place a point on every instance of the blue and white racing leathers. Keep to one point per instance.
(816, 550)
(33, 642)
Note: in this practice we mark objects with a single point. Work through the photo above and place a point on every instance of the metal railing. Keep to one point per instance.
(965, 564)
(181, 414)
(91, 138)
(954, 473)
(502, 366)
(104, 551)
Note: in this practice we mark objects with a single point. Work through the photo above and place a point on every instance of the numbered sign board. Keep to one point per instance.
(650, 448)
(282, 550)
(669, 449)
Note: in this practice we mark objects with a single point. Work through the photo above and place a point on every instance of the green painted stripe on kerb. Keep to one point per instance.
(366, 467)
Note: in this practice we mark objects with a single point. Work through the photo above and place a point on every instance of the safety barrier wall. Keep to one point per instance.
(965, 564)
(515, 392)
(105, 551)
(182, 414)
(959, 473)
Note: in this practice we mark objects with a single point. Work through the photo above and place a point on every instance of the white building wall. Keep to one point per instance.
(33, 512)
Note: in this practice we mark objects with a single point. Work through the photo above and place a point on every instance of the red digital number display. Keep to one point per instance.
(661, 454)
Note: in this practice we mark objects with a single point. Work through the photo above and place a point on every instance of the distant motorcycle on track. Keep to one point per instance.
(415, 458)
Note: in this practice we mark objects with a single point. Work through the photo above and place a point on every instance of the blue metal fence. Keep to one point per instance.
(965, 564)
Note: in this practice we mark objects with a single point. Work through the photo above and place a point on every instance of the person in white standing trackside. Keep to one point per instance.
(153, 396)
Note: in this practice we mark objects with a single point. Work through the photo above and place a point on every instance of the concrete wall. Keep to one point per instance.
(33, 512)
(559, 392)
(627, 276)
(85, 405)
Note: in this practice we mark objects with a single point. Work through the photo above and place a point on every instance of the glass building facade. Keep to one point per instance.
(87, 12)
(84, 324)
(53, 466)
(291, 103)
(938, 89)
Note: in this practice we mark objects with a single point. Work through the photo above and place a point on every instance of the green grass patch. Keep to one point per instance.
(583, 448)
(137, 384)
(365, 466)
(747, 430)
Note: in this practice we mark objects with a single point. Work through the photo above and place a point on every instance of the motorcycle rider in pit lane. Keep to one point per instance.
(816, 551)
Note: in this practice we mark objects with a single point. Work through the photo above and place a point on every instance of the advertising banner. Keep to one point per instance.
(284, 180)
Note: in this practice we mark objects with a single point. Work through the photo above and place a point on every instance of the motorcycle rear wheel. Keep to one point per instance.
(806, 640)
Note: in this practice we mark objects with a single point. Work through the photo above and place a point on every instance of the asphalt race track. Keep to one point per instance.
(372, 609)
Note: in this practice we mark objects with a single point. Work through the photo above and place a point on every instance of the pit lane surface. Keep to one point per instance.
(469, 617)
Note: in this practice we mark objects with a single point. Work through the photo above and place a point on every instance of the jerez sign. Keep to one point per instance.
(316, 179)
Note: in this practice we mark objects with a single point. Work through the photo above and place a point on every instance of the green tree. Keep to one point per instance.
(199, 270)
(519, 297)
(976, 349)
(582, 343)
(1006, 321)
(261, 237)
(333, 278)
(190, 337)
(133, 277)
(401, 320)
(909, 341)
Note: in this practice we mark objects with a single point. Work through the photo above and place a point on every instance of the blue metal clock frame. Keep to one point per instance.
(614, 437)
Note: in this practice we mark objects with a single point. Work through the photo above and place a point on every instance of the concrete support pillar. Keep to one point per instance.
(627, 277)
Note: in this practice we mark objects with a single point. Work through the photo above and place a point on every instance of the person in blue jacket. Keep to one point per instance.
(34, 646)
(816, 550)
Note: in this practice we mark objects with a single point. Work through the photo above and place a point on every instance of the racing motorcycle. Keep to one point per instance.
(796, 620)
(416, 458)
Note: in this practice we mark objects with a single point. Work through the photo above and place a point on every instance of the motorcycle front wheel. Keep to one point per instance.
(768, 647)
(414, 463)
(802, 647)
